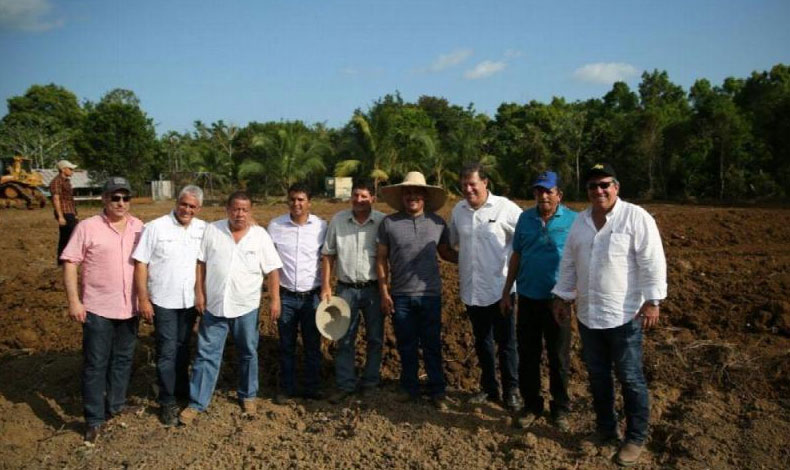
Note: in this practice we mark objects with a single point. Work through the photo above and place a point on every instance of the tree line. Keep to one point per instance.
(726, 142)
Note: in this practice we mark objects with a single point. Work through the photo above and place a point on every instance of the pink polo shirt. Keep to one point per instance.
(107, 265)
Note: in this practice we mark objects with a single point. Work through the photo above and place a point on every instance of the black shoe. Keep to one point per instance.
(168, 414)
(481, 398)
(513, 401)
(92, 434)
(340, 396)
(440, 403)
(313, 395)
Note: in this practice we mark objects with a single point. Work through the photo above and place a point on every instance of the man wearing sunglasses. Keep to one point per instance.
(107, 305)
(613, 266)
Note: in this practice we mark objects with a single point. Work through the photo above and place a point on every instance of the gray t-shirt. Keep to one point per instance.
(412, 243)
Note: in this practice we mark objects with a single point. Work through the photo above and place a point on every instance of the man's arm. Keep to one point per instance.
(76, 309)
(58, 209)
(382, 266)
(327, 261)
(273, 285)
(447, 253)
(141, 283)
(652, 267)
(200, 287)
(505, 304)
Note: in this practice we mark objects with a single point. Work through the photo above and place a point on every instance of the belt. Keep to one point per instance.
(359, 285)
(301, 295)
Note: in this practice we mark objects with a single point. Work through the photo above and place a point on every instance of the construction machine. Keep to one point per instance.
(20, 186)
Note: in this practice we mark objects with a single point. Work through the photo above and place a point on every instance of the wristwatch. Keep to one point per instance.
(654, 302)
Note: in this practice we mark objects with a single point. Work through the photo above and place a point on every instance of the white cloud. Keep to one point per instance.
(27, 15)
(605, 72)
(484, 69)
(445, 61)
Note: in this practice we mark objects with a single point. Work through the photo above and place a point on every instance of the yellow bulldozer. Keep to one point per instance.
(19, 186)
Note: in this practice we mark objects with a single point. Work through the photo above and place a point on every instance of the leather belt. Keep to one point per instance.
(359, 285)
(301, 295)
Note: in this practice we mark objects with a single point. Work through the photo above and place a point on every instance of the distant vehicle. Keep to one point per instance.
(20, 185)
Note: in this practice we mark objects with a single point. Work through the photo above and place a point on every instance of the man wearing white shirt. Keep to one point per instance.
(613, 266)
(482, 228)
(164, 275)
(298, 237)
(233, 258)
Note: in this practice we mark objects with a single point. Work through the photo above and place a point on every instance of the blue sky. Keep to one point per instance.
(317, 61)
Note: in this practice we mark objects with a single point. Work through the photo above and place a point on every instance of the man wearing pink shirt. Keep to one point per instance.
(102, 245)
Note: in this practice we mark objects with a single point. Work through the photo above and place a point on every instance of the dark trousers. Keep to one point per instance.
(621, 347)
(490, 326)
(418, 325)
(173, 335)
(298, 313)
(536, 324)
(65, 233)
(107, 350)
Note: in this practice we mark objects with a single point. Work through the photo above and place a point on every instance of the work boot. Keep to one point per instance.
(628, 454)
(92, 433)
(187, 416)
(513, 401)
(249, 406)
(168, 414)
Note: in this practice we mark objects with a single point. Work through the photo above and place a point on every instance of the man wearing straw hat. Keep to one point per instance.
(407, 245)
(351, 241)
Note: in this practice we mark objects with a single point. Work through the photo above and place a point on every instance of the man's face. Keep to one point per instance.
(239, 213)
(414, 199)
(67, 172)
(602, 192)
(547, 200)
(116, 204)
(474, 189)
(361, 201)
(298, 204)
(187, 208)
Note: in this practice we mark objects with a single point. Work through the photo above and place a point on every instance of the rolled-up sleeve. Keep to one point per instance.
(565, 287)
(651, 262)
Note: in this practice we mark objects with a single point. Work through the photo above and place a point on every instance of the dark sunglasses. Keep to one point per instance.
(119, 198)
(602, 185)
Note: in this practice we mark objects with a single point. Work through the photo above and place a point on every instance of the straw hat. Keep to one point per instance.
(333, 318)
(434, 199)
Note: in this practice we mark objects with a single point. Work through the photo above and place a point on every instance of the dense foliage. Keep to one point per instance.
(726, 142)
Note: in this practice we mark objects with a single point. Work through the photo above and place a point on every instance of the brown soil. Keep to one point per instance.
(718, 367)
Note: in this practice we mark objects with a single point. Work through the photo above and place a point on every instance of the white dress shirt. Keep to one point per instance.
(299, 247)
(234, 271)
(613, 271)
(484, 239)
(170, 250)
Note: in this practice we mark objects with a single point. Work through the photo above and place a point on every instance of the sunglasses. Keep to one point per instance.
(602, 185)
(119, 198)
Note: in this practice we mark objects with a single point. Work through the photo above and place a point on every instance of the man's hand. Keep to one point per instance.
(274, 310)
(146, 310)
(649, 314)
(77, 311)
(505, 305)
(561, 311)
(61, 221)
(387, 305)
(200, 302)
(326, 294)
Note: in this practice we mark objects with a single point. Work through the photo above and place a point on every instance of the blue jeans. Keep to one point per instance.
(367, 301)
(298, 312)
(418, 324)
(173, 331)
(107, 351)
(211, 344)
(621, 347)
(489, 326)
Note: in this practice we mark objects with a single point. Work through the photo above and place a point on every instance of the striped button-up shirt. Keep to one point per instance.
(354, 244)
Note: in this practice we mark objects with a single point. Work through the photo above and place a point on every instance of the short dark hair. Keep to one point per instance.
(471, 168)
(238, 195)
(365, 184)
(301, 187)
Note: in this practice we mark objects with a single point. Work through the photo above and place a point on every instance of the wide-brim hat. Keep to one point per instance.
(332, 317)
(434, 199)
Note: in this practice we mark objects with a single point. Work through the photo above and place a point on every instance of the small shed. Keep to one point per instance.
(83, 185)
(161, 190)
(338, 187)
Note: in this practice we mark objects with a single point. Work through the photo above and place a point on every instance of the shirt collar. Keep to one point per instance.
(489, 202)
(353, 220)
(310, 220)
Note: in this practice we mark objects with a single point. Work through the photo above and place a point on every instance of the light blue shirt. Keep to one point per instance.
(540, 247)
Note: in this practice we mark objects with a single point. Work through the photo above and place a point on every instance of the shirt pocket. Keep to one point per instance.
(619, 246)
(250, 259)
(492, 233)
(166, 247)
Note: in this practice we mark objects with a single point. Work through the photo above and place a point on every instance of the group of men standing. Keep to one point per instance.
(519, 274)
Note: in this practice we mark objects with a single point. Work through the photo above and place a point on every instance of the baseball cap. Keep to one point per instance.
(66, 164)
(116, 183)
(600, 169)
(547, 179)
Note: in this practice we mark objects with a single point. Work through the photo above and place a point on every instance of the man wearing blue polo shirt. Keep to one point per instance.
(537, 248)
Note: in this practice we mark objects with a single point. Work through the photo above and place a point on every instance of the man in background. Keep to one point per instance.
(63, 204)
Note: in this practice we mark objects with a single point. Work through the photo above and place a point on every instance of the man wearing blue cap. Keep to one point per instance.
(537, 248)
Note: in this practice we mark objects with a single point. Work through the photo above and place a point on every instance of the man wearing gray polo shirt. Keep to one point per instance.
(407, 245)
(351, 241)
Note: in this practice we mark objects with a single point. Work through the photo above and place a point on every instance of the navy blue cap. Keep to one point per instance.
(547, 179)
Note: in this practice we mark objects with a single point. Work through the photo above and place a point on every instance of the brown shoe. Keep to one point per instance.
(249, 406)
(628, 454)
(187, 416)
